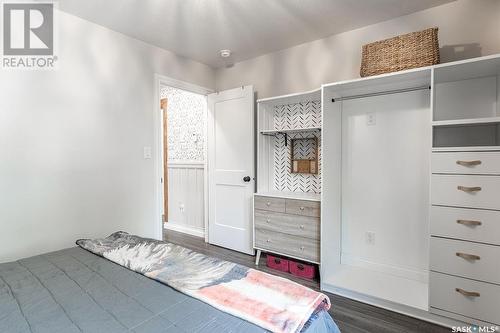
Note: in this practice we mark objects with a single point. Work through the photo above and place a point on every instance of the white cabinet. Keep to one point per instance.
(464, 297)
(465, 192)
(466, 162)
(287, 204)
(472, 191)
(390, 148)
(475, 225)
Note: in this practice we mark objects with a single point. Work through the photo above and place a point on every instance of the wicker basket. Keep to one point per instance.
(416, 49)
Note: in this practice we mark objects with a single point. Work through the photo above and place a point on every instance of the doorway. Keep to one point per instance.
(183, 110)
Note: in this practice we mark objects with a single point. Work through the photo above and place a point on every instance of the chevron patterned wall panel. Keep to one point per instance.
(298, 115)
(291, 116)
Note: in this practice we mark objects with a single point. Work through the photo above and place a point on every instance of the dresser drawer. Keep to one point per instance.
(303, 207)
(270, 204)
(300, 247)
(467, 224)
(445, 295)
(466, 191)
(465, 259)
(303, 226)
(466, 162)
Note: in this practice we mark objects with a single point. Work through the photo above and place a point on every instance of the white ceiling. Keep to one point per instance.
(198, 29)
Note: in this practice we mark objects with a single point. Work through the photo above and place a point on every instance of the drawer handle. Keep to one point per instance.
(467, 256)
(469, 189)
(467, 293)
(469, 163)
(469, 222)
(301, 226)
(302, 208)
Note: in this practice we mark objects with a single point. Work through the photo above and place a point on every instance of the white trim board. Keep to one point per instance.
(184, 229)
(186, 165)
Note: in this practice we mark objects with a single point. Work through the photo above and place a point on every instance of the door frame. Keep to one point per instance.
(159, 81)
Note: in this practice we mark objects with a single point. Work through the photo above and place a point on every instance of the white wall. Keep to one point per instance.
(468, 28)
(71, 140)
(186, 197)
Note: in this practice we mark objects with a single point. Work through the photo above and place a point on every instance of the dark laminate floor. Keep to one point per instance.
(351, 316)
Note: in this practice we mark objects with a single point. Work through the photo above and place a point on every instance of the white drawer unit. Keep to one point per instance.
(483, 163)
(465, 236)
(470, 191)
(288, 227)
(465, 259)
(474, 225)
(469, 298)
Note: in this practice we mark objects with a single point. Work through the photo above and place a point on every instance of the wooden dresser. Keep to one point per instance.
(465, 236)
(287, 226)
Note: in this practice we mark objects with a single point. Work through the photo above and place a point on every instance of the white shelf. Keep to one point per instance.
(467, 69)
(291, 195)
(293, 130)
(474, 121)
(307, 96)
(471, 148)
(408, 79)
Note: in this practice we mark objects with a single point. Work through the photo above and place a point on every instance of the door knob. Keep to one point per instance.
(247, 179)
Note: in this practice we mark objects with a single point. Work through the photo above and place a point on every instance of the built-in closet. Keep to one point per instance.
(376, 169)
(409, 170)
(287, 202)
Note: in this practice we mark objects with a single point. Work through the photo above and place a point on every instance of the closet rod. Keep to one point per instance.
(389, 92)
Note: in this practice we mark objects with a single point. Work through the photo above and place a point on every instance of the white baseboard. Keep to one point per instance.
(404, 272)
(184, 229)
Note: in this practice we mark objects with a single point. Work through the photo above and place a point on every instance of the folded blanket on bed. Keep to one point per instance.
(274, 303)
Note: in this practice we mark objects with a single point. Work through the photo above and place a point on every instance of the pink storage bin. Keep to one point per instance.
(279, 264)
(302, 270)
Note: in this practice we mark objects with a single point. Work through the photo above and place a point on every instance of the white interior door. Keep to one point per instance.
(231, 168)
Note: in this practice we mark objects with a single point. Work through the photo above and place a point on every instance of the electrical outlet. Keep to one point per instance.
(147, 152)
(371, 119)
(182, 208)
(370, 237)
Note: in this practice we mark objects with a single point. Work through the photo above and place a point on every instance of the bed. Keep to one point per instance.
(73, 290)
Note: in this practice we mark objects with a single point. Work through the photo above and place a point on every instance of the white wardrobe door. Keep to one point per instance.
(386, 144)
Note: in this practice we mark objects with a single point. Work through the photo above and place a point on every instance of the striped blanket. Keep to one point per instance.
(271, 302)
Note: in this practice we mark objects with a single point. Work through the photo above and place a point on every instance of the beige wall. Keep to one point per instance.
(468, 28)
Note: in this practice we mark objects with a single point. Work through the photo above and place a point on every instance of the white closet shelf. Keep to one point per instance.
(292, 130)
(306, 96)
(474, 121)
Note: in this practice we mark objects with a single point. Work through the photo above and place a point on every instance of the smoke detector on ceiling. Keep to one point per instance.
(225, 53)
